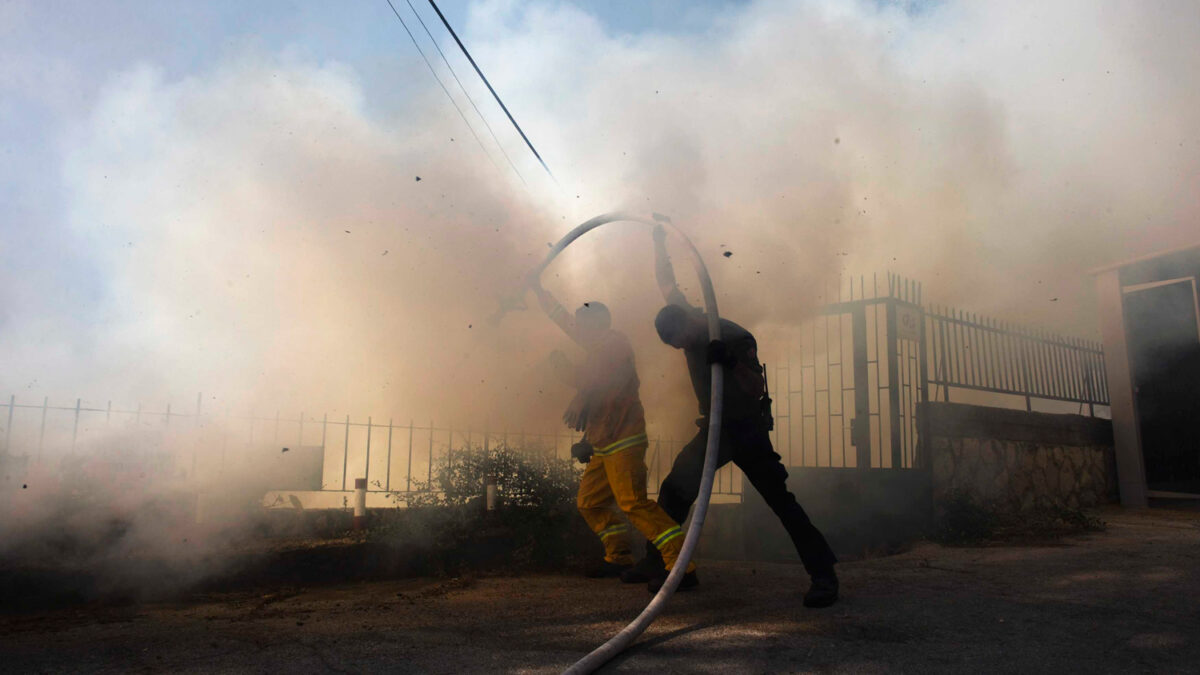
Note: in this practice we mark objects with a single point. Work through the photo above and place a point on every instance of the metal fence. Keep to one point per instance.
(847, 391)
(852, 378)
(983, 354)
(202, 445)
(846, 395)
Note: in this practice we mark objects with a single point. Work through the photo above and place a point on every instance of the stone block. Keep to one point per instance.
(943, 466)
(1028, 501)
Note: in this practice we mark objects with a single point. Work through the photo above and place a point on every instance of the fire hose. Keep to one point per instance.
(658, 603)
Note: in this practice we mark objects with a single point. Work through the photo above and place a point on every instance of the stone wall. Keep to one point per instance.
(1015, 461)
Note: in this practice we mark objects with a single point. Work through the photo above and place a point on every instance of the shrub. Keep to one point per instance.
(535, 526)
(961, 519)
(523, 479)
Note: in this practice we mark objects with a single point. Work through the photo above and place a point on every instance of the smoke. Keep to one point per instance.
(260, 231)
(277, 231)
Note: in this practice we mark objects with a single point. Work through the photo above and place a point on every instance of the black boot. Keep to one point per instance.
(646, 569)
(605, 570)
(688, 582)
(824, 590)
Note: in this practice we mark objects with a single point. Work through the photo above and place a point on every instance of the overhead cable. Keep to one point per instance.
(447, 92)
(464, 91)
(491, 89)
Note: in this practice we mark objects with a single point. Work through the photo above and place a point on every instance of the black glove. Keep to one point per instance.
(719, 352)
(582, 451)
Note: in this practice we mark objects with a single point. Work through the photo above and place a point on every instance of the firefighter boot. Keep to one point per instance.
(824, 590)
(605, 569)
(687, 583)
(647, 568)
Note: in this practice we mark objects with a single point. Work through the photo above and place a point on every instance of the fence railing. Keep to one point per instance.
(982, 354)
(204, 444)
(863, 367)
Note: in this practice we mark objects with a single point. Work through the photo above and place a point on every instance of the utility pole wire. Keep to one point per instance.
(465, 92)
(447, 92)
(489, 86)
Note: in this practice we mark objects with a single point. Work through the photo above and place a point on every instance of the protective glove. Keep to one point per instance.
(719, 352)
(576, 415)
(582, 451)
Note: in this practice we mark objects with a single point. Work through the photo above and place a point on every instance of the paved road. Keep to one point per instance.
(1126, 600)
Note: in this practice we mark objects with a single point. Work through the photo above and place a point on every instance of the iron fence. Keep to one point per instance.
(847, 390)
(846, 395)
(204, 445)
(851, 379)
(983, 354)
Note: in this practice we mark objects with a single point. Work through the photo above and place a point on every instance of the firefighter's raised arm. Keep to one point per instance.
(553, 309)
(664, 273)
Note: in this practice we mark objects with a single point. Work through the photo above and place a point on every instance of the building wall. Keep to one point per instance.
(1018, 461)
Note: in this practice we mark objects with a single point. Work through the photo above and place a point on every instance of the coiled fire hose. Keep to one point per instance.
(628, 634)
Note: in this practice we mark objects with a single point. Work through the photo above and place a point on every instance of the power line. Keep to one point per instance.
(465, 92)
(489, 86)
(447, 92)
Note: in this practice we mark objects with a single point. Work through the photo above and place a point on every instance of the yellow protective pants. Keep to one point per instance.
(617, 474)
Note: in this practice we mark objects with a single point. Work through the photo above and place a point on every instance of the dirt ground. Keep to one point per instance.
(1123, 600)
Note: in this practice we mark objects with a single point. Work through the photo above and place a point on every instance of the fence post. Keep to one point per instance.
(923, 367)
(367, 461)
(430, 477)
(345, 453)
(387, 481)
(408, 474)
(324, 428)
(860, 425)
(1026, 383)
(12, 403)
(893, 385)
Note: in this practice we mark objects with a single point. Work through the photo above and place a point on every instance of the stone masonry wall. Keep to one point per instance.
(1017, 461)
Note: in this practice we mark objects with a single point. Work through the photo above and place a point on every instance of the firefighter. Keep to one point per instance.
(745, 423)
(607, 408)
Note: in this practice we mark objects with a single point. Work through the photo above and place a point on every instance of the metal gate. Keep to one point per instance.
(847, 392)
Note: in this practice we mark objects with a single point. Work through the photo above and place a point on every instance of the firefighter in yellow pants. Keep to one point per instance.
(609, 411)
(616, 475)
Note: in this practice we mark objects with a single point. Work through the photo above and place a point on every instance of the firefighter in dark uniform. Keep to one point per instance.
(745, 424)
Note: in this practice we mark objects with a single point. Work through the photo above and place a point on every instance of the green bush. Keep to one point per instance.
(962, 520)
(523, 479)
(535, 526)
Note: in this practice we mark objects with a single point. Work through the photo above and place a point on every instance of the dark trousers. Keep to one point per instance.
(748, 445)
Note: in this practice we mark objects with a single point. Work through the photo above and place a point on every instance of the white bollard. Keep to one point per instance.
(360, 503)
(490, 487)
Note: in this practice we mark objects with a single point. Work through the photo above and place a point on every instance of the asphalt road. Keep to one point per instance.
(1124, 600)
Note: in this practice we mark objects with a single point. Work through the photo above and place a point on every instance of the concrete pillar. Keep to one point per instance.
(490, 492)
(1127, 440)
(360, 503)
